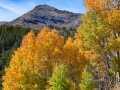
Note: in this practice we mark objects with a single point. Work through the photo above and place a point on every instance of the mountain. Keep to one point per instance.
(43, 15)
(2, 22)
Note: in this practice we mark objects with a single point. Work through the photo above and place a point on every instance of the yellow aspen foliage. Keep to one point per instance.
(102, 6)
(114, 44)
(114, 21)
(23, 56)
(35, 58)
(30, 39)
(74, 59)
(87, 82)
(32, 80)
(95, 4)
(91, 55)
(99, 34)
(60, 80)
(110, 25)
(51, 44)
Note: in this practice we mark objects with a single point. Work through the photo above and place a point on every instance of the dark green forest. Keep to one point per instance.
(10, 39)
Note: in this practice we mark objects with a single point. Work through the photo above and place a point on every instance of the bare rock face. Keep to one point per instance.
(43, 15)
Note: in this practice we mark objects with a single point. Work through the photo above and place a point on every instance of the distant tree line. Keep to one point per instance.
(66, 32)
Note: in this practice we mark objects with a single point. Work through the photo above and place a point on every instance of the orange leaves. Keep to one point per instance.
(95, 4)
(51, 42)
(29, 39)
(14, 74)
(99, 35)
(114, 19)
(101, 6)
(91, 55)
(38, 55)
(74, 58)
(23, 56)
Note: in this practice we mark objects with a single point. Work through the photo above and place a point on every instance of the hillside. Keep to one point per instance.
(2, 22)
(44, 15)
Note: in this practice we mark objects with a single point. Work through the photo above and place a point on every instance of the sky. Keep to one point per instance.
(11, 9)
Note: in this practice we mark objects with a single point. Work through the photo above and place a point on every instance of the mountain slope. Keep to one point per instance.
(43, 15)
(2, 22)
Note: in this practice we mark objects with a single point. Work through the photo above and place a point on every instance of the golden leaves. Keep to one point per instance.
(74, 58)
(114, 21)
(95, 4)
(38, 55)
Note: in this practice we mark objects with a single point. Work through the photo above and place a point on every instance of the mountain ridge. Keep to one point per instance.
(2, 22)
(44, 15)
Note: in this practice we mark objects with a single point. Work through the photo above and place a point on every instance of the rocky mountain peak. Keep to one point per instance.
(43, 15)
(45, 7)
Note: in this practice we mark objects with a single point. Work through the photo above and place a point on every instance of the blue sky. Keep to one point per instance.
(11, 9)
